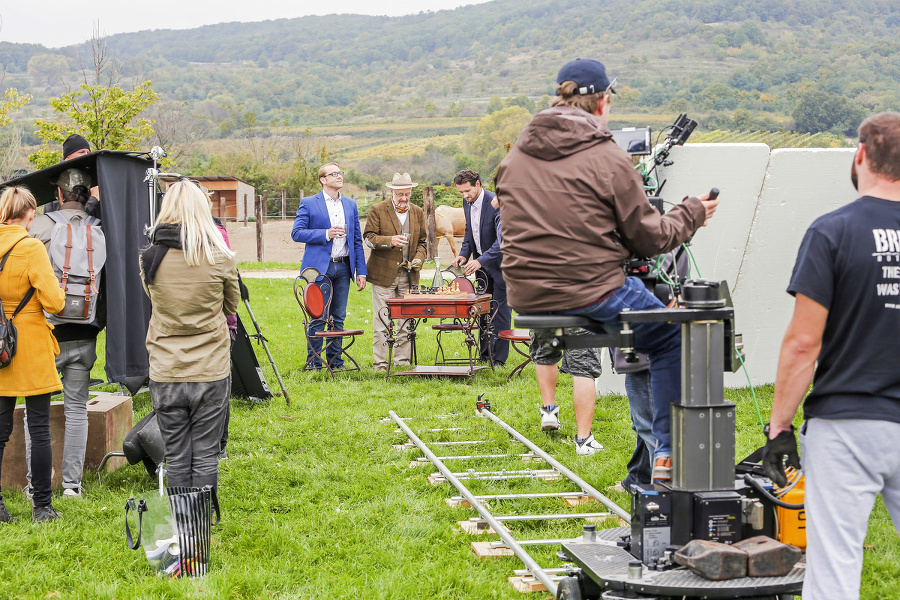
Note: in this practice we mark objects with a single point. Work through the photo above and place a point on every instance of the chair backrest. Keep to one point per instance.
(313, 296)
(464, 284)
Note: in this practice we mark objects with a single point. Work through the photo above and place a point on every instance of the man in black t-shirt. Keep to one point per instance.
(846, 282)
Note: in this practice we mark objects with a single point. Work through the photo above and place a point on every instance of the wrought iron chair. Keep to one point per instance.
(314, 293)
(518, 338)
(468, 327)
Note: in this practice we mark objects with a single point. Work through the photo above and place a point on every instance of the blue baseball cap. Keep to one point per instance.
(589, 75)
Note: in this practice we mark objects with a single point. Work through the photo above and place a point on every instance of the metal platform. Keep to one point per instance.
(439, 370)
(607, 565)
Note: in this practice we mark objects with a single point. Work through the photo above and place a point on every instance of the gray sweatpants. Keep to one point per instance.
(847, 463)
(75, 361)
(191, 418)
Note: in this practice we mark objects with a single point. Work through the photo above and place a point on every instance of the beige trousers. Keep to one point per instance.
(402, 347)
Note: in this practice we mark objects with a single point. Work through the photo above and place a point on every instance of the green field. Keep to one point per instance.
(317, 504)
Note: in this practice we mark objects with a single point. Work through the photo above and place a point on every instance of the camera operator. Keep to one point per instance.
(574, 211)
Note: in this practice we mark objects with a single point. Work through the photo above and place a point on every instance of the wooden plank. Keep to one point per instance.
(475, 527)
(485, 550)
(527, 585)
(430, 226)
(454, 503)
(578, 500)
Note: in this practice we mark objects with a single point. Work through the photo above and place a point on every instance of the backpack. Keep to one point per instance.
(77, 253)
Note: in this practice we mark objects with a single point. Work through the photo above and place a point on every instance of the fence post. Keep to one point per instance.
(283, 205)
(245, 210)
(259, 230)
(430, 225)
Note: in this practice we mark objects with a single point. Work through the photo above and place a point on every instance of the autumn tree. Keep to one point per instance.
(488, 139)
(108, 116)
(10, 133)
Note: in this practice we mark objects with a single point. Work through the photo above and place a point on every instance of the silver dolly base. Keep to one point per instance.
(607, 566)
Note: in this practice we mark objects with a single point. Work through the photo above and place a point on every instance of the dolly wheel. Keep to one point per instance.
(569, 589)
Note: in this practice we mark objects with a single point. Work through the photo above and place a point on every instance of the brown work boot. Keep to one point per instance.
(5, 517)
(662, 469)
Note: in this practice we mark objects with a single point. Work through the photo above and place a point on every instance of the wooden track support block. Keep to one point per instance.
(457, 503)
(475, 527)
(578, 500)
(527, 585)
(485, 550)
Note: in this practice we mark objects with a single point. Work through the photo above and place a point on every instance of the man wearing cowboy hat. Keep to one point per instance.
(395, 231)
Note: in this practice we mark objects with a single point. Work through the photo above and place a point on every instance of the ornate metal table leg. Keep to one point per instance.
(472, 321)
(385, 318)
(410, 325)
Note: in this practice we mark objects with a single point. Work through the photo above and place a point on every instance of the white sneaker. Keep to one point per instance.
(71, 493)
(588, 446)
(549, 418)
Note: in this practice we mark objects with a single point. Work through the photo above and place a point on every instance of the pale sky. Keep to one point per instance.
(56, 23)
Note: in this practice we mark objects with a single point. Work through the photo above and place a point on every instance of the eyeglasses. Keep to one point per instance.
(335, 174)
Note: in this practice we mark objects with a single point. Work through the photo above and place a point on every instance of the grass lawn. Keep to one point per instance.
(317, 504)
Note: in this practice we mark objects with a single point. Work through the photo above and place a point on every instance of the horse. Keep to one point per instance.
(449, 222)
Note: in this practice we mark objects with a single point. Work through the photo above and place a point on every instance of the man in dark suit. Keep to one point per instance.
(395, 230)
(482, 244)
(328, 223)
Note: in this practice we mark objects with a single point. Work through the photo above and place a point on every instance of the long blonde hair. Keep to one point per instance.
(186, 205)
(15, 202)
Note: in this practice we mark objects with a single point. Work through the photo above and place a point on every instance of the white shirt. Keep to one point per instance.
(336, 215)
(401, 216)
(475, 219)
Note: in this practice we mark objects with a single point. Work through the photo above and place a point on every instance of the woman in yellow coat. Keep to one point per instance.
(32, 372)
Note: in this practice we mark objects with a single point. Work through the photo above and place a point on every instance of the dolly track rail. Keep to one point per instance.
(588, 489)
(496, 525)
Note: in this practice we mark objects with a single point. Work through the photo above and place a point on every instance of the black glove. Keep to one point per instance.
(774, 453)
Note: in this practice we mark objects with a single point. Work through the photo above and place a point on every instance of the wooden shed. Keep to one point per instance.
(231, 198)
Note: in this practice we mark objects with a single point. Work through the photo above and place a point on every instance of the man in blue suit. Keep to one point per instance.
(482, 244)
(328, 223)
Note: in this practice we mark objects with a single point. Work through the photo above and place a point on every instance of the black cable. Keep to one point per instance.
(777, 502)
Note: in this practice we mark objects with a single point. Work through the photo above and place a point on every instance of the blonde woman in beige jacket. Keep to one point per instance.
(191, 278)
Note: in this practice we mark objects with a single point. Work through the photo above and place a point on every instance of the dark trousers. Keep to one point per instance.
(191, 418)
(38, 411)
(499, 348)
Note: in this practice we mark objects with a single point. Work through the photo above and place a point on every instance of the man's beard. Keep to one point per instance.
(401, 209)
(854, 178)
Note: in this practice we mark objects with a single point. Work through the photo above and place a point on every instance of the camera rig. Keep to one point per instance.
(665, 274)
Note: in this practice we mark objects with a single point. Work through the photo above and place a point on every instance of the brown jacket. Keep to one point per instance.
(187, 338)
(574, 211)
(384, 260)
(33, 368)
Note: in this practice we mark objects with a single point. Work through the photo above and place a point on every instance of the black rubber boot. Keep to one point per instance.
(5, 517)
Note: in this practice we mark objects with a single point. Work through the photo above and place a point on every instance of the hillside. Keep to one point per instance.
(354, 82)
(323, 69)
